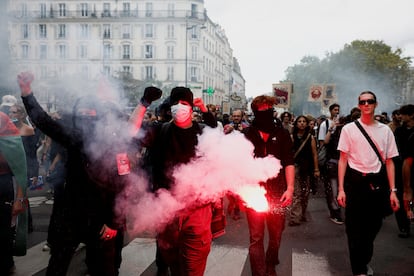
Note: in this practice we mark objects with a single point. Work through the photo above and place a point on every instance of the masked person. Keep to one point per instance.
(269, 139)
(93, 181)
(185, 242)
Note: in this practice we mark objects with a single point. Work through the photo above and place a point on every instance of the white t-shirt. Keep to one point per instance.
(361, 156)
(323, 129)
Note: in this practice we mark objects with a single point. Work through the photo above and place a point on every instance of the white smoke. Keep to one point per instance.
(224, 163)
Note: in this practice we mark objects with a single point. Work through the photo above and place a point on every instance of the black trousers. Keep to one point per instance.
(363, 219)
(6, 231)
(103, 257)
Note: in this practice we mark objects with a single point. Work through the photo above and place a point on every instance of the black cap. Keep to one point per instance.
(181, 93)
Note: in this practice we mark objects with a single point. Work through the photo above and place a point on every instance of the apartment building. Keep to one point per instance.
(167, 43)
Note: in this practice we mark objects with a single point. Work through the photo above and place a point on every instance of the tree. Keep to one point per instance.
(360, 65)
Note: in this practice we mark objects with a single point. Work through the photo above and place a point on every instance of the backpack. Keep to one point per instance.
(323, 150)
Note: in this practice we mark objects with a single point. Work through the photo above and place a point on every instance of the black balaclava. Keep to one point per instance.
(263, 120)
(85, 115)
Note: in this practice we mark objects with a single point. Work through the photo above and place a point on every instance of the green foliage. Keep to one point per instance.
(360, 65)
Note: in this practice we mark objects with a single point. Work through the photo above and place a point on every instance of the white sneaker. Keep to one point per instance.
(46, 247)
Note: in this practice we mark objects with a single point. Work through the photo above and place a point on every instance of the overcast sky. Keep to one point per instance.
(268, 36)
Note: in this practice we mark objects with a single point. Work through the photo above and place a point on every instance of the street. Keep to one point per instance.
(317, 247)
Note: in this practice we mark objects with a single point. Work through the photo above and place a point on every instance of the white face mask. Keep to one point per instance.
(181, 112)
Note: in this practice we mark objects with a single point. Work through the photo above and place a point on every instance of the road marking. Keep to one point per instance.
(34, 261)
(138, 255)
(307, 264)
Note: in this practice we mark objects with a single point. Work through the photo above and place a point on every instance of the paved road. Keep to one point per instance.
(317, 247)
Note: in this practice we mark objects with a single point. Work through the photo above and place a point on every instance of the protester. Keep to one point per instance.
(92, 182)
(331, 192)
(396, 120)
(269, 139)
(407, 155)
(236, 124)
(12, 199)
(286, 119)
(184, 243)
(362, 178)
(306, 166)
(6, 102)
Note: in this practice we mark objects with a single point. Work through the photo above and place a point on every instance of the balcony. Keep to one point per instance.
(75, 14)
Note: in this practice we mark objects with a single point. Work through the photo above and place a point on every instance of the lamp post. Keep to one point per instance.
(187, 28)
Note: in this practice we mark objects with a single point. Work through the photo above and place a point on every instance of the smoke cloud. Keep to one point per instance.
(224, 163)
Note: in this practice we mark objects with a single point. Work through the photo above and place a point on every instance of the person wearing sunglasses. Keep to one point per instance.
(361, 175)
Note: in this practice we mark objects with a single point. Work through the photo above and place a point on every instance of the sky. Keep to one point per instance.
(268, 36)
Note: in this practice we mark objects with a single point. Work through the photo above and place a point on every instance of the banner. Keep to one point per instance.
(316, 93)
(322, 93)
(282, 93)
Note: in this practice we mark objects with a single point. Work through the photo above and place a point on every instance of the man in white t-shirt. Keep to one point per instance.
(357, 186)
(329, 170)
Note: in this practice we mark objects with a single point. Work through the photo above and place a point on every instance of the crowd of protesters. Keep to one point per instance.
(313, 151)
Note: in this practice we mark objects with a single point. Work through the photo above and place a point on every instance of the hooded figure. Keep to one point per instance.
(93, 181)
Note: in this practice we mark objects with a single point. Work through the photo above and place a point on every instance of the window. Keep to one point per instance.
(126, 9)
(126, 69)
(106, 31)
(170, 31)
(25, 31)
(149, 30)
(193, 73)
(83, 51)
(84, 9)
(62, 9)
(106, 10)
(149, 75)
(194, 12)
(107, 51)
(43, 52)
(171, 9)
(194, 32)
(194, 53)
(42, 31)
(24, 10)
(126, 31)
(170, 73)
(148, 9)
(62, 51)
(84, 31)
(62, 31)
(148, 51)
(126, 51)
(43, 10)
(170, 52)
(25, 51)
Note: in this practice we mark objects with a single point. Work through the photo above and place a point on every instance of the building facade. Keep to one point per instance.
(172, 43)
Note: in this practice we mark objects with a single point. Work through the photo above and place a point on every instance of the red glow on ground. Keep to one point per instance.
(254, 197)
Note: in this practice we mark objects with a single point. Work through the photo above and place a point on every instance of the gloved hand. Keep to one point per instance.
(151, 94)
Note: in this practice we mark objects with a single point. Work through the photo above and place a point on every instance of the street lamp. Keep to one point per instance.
(187, 28)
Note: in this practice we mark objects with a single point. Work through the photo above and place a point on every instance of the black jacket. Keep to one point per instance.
(92, 183)
(279, 144)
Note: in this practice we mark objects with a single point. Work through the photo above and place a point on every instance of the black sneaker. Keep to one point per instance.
(337, 220)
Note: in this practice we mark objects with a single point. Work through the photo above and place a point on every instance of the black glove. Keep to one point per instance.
(151, 94)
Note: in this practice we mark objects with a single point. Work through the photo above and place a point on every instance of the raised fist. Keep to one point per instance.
(24, 80)
(151, 94)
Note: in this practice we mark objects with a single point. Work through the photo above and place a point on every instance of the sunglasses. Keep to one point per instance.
(369, 101)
